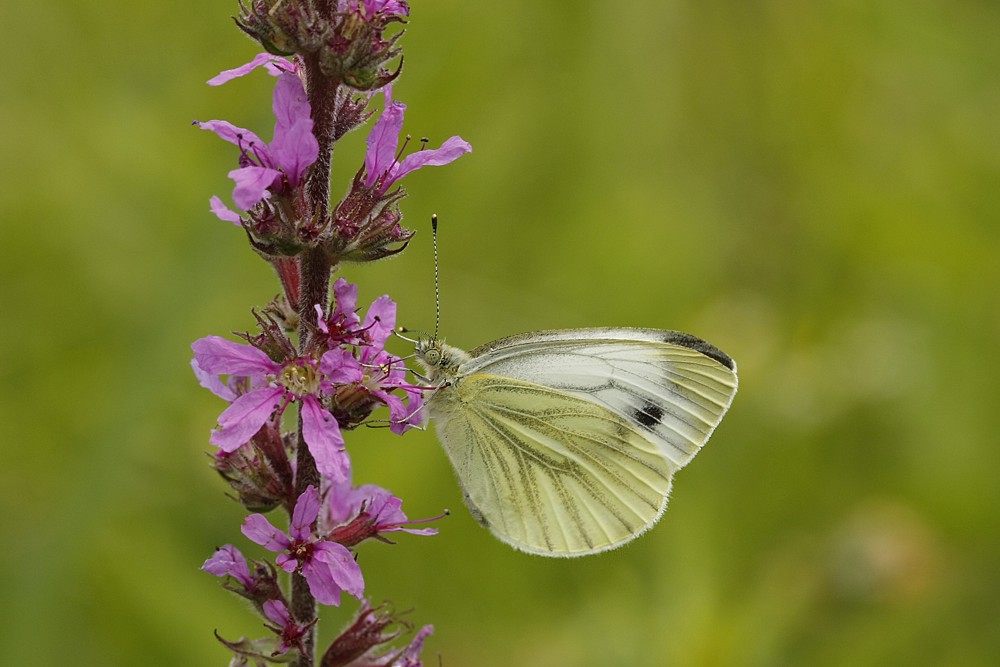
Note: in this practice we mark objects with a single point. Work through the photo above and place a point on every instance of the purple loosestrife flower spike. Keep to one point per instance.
(327, 566)
(382, 168)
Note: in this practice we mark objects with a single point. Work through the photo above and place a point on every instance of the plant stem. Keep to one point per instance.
(314, 285)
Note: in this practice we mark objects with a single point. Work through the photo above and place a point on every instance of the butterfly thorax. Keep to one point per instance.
(440, 361)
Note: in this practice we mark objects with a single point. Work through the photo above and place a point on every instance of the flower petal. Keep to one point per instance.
(384, 139)
(320, 319)
(345, 295)
(387, 6)
(212, 382)
(217, 355)
(252, 184)
(321, 583)
(289, 102)
(244, 139)
(340, 366)
(342, 503)
(412, 416)
(295, 149)
(277, 613)
(258, 529)
(322, 435)
(450, 150)
(331, 570)
(261, 59)
(381, 317)
(304, 515)
(343, 567)
(223, 212)
(244, 417)
(410, 657)
(287, 563)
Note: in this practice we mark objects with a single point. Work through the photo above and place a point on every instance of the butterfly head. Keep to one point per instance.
(439, 360)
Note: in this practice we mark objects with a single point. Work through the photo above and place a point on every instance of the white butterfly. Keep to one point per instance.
(566, 442)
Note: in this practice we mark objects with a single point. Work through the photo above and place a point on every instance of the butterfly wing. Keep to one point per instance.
(678, 387)
(566, 441)
(549, 472)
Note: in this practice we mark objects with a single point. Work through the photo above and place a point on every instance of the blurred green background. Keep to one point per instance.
(811, 186)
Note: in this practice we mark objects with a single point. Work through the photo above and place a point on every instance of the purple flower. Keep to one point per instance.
(385, 373)
(410, 656)
(343, 325)
(377, 372)
(382, 165)
(257, 584)
(364, 642)
(271, 388)
(228, 561)
(270, 169)
(328, 567)
(289, 632)
(355, 513)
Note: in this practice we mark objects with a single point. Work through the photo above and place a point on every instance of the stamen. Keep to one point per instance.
(447, 512)
(402, 149)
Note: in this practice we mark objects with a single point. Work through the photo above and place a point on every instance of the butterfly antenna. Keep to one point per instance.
(437, 280)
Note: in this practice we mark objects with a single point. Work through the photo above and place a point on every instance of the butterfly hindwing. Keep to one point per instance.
(550, 472)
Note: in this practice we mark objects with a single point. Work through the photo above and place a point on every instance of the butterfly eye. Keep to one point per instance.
(432, 356)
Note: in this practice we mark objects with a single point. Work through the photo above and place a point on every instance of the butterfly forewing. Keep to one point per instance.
(674, 385)
(550, 472)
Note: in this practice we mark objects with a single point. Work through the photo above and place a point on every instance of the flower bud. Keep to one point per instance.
(363, 642)
(346, 36)
(259, 472)
(282, 27)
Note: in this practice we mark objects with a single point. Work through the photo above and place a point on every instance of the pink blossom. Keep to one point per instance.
(382, 165)
(377, 372)
(385, 373)
(289, 632)
(228, 561)
(274, 386)
(359, 512)
(327, 566)
(410, 656)
(270, 169)
(343, 325)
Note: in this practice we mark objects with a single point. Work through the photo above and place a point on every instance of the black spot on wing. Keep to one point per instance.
(698, 345)
(649, 415)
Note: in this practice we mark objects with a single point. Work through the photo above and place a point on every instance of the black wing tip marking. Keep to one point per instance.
(698, 345)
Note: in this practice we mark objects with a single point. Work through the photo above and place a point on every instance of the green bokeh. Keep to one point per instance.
(814, 187)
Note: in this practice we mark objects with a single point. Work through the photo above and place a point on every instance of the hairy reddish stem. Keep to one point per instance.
(314, 284)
